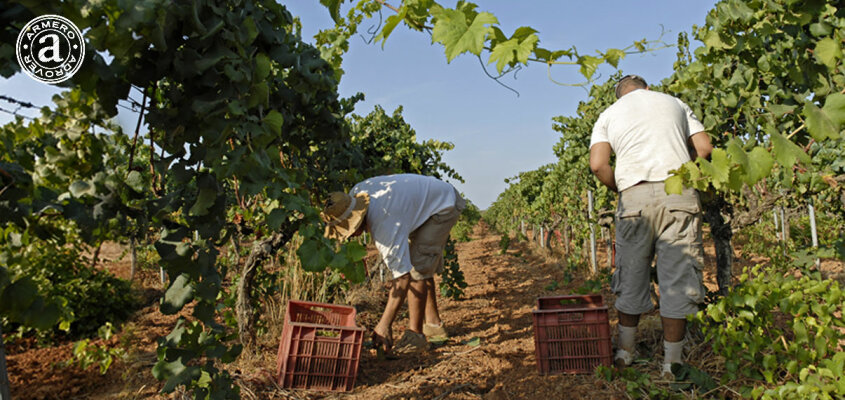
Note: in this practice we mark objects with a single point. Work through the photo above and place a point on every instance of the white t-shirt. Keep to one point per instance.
(399, 204)
(648, 131)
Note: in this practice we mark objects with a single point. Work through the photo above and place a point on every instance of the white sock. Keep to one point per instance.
(627, 338)
(673, 352)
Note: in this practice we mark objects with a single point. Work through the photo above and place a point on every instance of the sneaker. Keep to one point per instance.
(411, 343)
(623, 359)
(667, 374)
(432, 330)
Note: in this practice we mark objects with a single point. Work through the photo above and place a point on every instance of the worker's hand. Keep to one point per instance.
(605, 218)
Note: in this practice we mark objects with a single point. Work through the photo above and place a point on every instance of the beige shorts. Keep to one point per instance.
(429, 240)
(651, 223)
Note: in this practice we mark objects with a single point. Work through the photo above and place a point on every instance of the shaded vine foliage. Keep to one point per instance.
(236, 96)
(242, 115)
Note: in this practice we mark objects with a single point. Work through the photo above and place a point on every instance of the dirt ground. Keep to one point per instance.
(496, 309)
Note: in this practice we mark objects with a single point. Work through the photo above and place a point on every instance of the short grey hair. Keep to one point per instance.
(630, 82)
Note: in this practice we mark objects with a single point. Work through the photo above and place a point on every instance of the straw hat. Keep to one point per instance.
(344, 214)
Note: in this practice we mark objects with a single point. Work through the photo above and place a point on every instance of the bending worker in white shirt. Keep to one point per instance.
(651, 133)
(409, 217)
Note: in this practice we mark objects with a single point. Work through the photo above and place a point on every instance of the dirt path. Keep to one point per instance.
(501, 293)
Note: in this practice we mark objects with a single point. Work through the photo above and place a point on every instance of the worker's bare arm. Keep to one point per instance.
(600, 164)
(700, 145)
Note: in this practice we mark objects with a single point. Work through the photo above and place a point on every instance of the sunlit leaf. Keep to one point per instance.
(828, 51)
(452, 31)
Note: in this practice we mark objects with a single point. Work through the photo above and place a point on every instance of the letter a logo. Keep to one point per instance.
(50, 49)
(53, 49)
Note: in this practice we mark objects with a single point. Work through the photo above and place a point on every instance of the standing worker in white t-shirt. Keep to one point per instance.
(409, 217)
(651, 133)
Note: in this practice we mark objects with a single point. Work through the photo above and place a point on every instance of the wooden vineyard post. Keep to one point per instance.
(542, 238)
(592, 232)
(813, 233)
(4, 377)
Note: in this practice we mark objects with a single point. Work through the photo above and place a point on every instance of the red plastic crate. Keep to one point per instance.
(320, 347)
(571, 334)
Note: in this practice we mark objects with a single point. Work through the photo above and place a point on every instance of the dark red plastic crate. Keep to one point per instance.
(320, 347)
(571, 334)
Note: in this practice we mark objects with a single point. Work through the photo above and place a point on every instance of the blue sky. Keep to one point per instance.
(496, 133)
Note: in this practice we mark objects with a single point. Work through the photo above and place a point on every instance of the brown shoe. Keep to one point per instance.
(438, 331)
(411, 343)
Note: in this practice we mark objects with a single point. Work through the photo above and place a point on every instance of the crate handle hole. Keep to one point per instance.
(571, 317)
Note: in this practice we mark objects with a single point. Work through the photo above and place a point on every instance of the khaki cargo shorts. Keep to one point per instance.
(429, 240)
(651, 223)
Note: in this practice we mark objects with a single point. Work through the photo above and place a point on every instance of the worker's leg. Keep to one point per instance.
(432, 313)
(673, 344)
(427, 245)
(631, 279)
(398, 290)
(417, 305)
(680, 257)
(626, 340)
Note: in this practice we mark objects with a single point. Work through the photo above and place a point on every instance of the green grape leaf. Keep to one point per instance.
(827, 51)
(713, 40)
(136, 181)
(180, 292)
(613, 56)
(819, 124)
(780, 109)
(184, 377)
(274, 121)
(251, 29)
(262, 67)
(259, 95)
(451, 30)
(82, 188)
(512, 51)
(686, 372)
(759, 165)
(820, 29)
(737, 154)
(18, 296)
(542, 54)
(276, 218)
(389, 25)
(720, 167)
(314, 255)
(739, 10)
(354, 272)
(206, 197)
(834, 108)
(164, 369)
(334, 8)
(674, 184)
(42, 316)
(786, 152)
(589, 64)
(355, 251)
